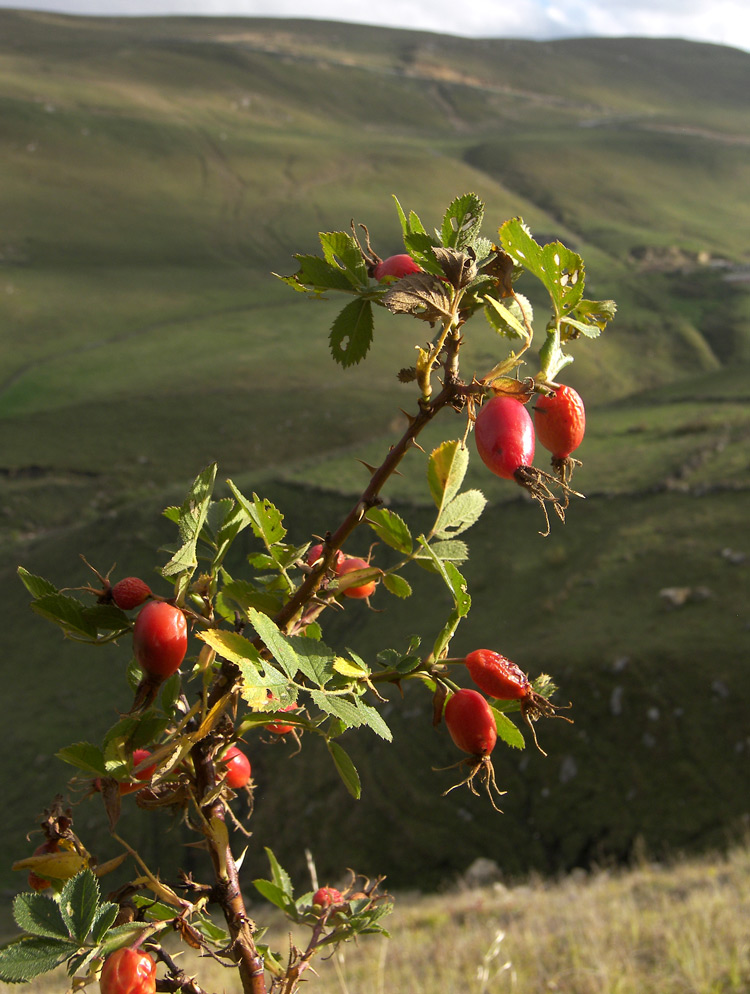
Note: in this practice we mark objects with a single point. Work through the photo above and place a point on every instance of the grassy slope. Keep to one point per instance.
(156, 171)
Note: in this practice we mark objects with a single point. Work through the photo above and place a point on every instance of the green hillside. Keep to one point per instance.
(157, 171)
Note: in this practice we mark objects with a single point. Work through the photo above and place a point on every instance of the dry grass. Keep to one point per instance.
(681, 929)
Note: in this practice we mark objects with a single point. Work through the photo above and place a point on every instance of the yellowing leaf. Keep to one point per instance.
(54, 865)
(347, 668)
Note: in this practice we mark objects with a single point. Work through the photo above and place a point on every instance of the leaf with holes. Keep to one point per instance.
(351, 333)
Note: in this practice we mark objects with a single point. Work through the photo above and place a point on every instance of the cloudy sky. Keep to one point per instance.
(723, 21)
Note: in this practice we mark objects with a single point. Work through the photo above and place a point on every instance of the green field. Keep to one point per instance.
(156, 173)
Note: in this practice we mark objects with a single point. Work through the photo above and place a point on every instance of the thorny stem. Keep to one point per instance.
(453, 393)
(227, 889)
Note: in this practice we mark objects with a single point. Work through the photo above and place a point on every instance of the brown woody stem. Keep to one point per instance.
(453, 393)
(227, 890)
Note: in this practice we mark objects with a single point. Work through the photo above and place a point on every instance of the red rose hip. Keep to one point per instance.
(238, 768)
(560, 421)
(128, 971)
(327, 897)
(497, 676)
(160, 639)
(471, 723)
(349, 565)
(504, 435)
(396, 267)
(130, 592)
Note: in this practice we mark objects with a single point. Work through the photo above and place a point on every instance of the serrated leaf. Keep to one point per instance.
(507, 319)
(39, 915)
(27, 958)
(452, 578)
(230, 645)
(347, 668)
(420, 246)
(351, 333)
(397, 585)
(266, 521)
(272, 893)
(391, 528)
(560, 269)
(107, 618)
(78, 903)
(454, 551)
(245, 595)
(37, 586)
(462, 221)
(318, 274)
(276, 643)
(84, 756)
(104, 920)
(446, 470)
(459, 268)
(353, 715)
(461, 513)
(570, 326)
(507, 730)
(346, 769)
(341, 249)
(67, 612)
(279, 876)
(193, 512)
(121, 935)
(420, 294)
(314, 657)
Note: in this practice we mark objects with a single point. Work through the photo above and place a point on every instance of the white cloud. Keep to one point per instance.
(721, 21)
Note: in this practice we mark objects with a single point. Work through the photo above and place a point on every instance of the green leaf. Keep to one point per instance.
(508, 731)
(451, 551)
(351, 333)
(272, 893)
(508, 319)
(231, 645)
(462, 221)
(279, 876)
(84, 756)
(559, 269)
(245, 596)
(446, 470)
(37, 586)
(397, 585)
(193, 512)
(104, 919)
(121, 935)
(267, 521)
(235, 521)
(107, 618)
(453, 580)
(461, 513)
(67, 612)
(346, 768)
(27, 958)
(276, 643)
(341, 249)
(319, 274)
(40, 915)
(589, 318)
(352, 714)
(391, 528)
(315, 659)
(78, 903)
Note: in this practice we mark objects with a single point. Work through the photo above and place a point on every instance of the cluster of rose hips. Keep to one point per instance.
(505, 435)
(133, 971)
(470, 719)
